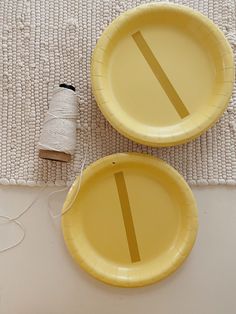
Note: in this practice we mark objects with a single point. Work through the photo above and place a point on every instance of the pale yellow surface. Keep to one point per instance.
(194, 57)
(40, 276)
(163, 212)
(186, 63)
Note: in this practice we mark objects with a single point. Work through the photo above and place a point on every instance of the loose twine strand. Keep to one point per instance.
(15, 220)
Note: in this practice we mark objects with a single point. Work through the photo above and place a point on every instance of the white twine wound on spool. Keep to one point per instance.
(58, 134)
(59, 127)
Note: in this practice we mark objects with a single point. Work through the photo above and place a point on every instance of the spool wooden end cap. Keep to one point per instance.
(54, 155)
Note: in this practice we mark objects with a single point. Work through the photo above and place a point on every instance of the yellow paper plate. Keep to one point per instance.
(162, 74)
(133, 222)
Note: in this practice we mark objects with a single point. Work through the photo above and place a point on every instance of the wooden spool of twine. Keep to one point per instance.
(58, 136)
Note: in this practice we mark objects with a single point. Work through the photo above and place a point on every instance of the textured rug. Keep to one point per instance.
(44, 43)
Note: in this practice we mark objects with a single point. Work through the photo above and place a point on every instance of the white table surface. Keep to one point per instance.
(39, 276)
